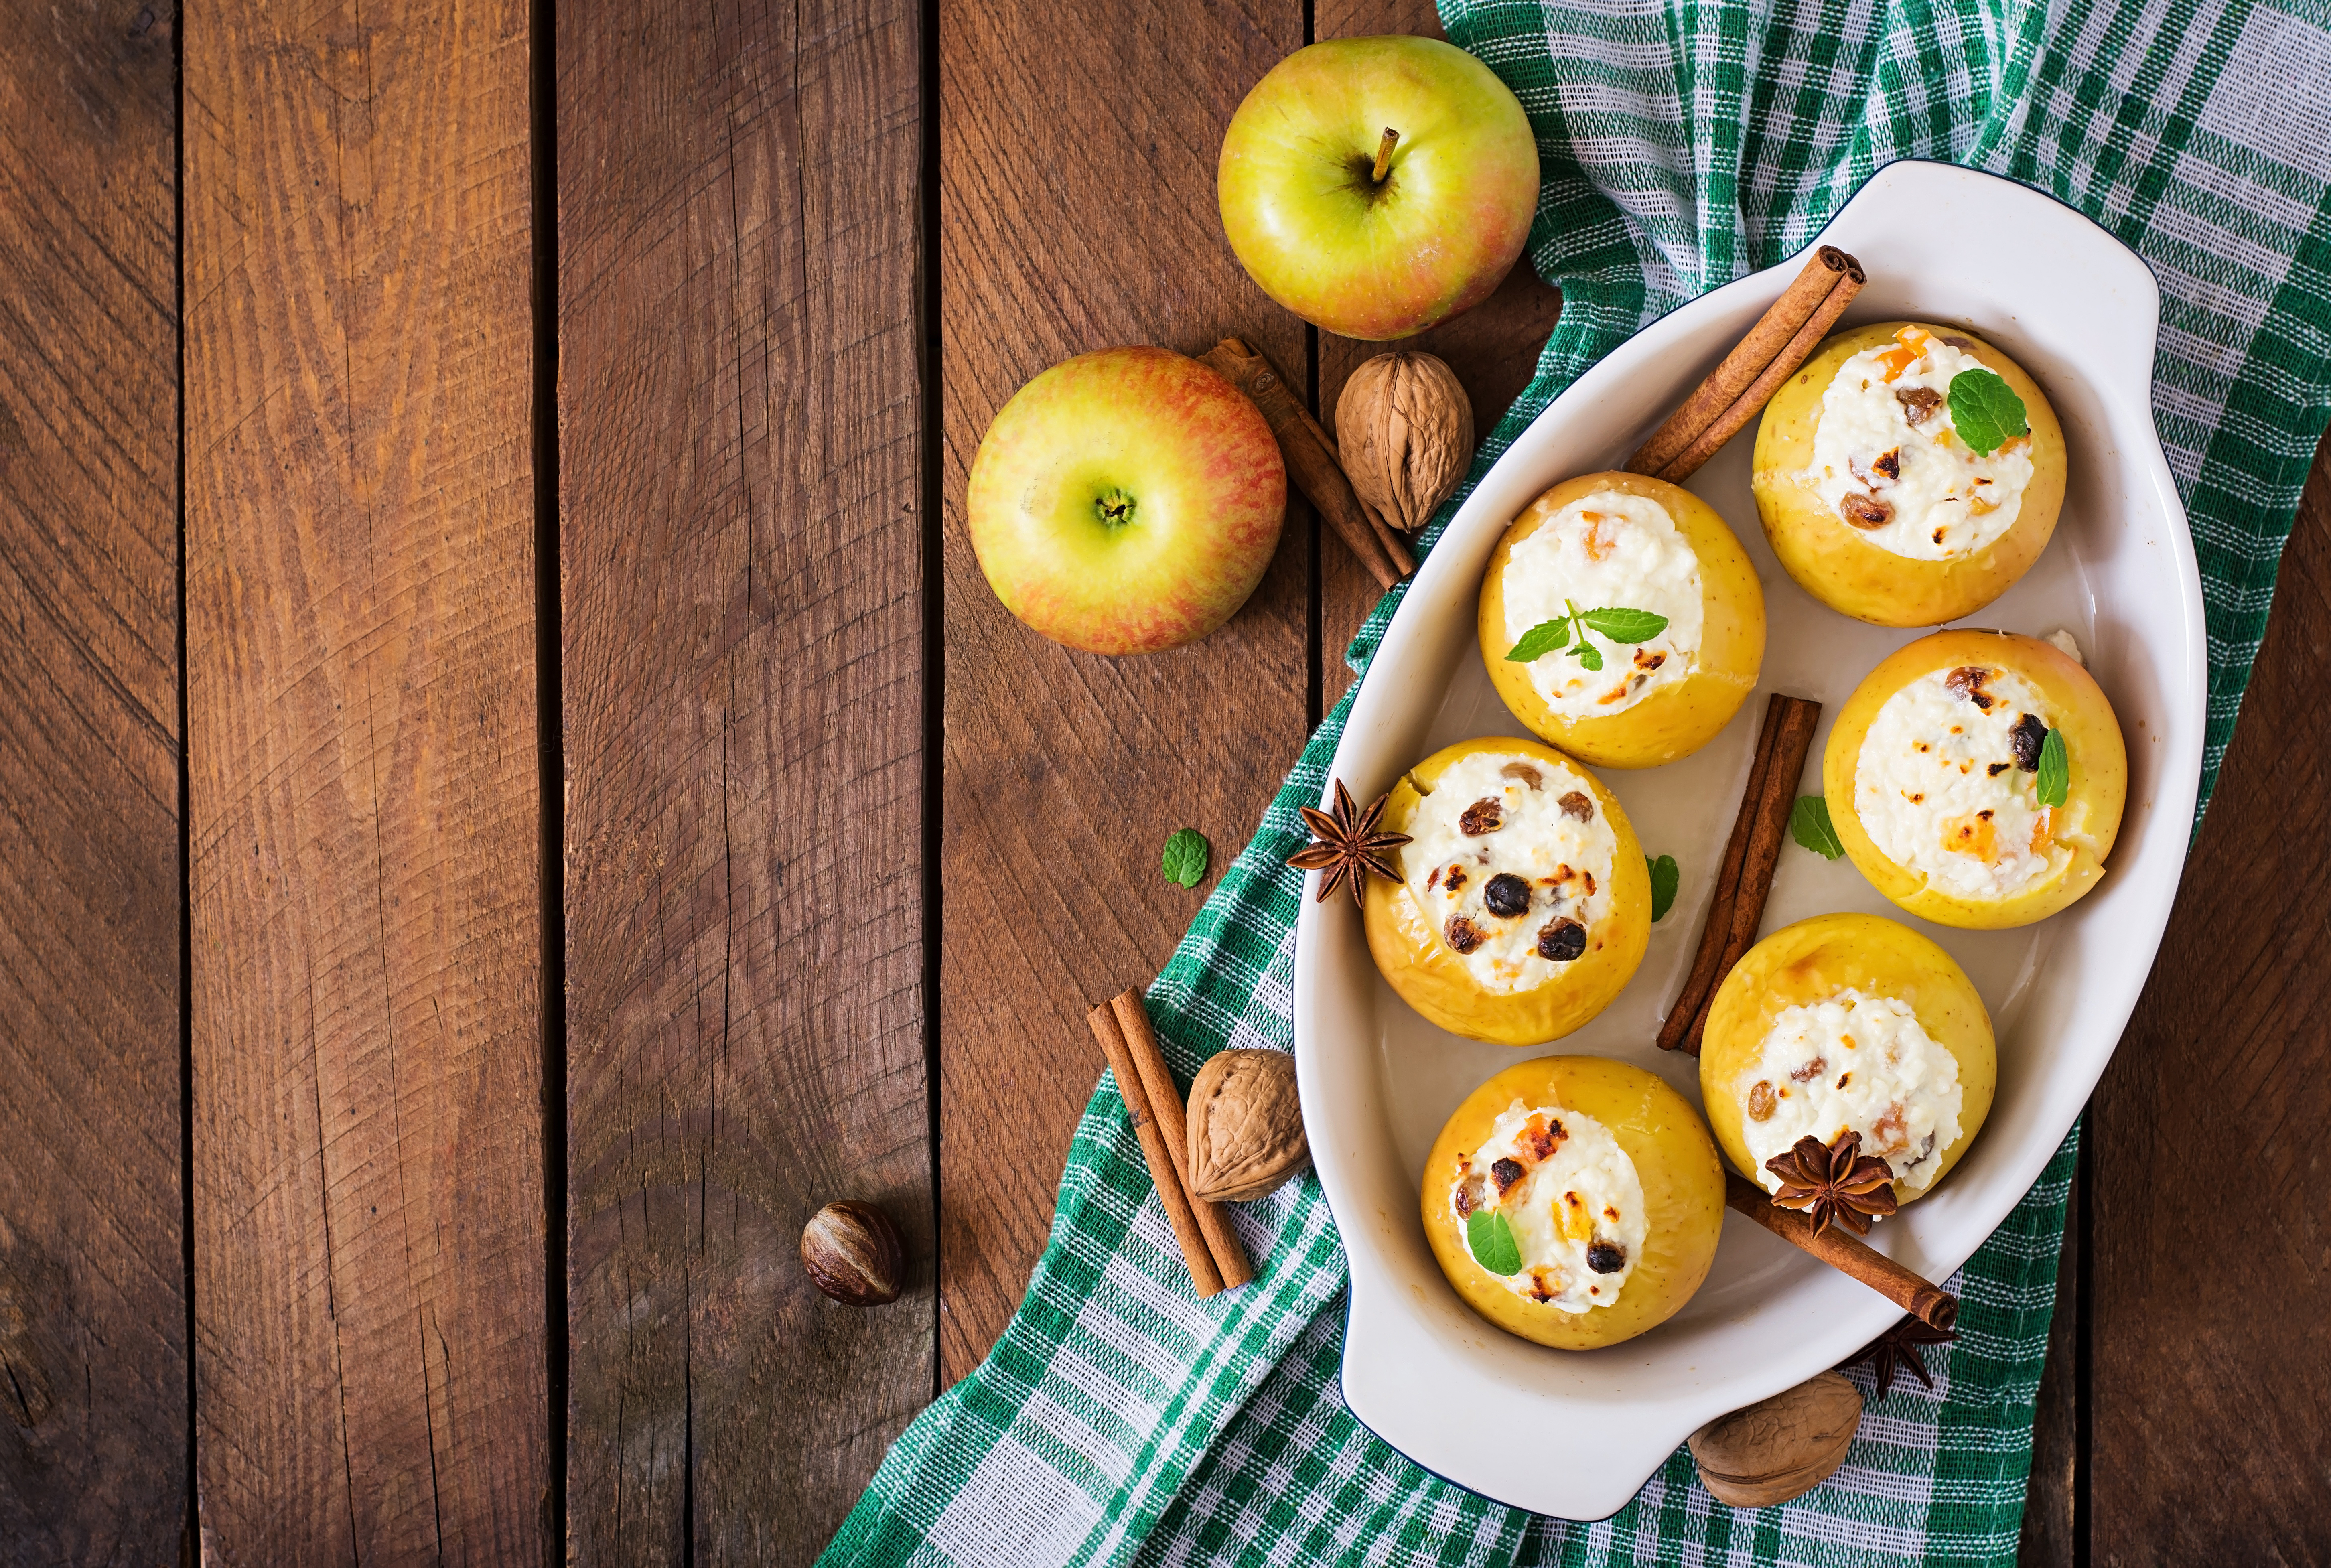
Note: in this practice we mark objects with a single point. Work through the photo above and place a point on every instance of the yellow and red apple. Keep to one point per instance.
(1125, 501)
(1369, 256)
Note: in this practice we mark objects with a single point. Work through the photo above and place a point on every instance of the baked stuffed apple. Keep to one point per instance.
(1908, 474)
(1849, 1023)
(1523, 905)
(1574, 1201)
(1658, 620)
(1976, 778)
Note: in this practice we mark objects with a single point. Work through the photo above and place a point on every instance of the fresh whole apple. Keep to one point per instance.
(1376, 186)
(1127, 502)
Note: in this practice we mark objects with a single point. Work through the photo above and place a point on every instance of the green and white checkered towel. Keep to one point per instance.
(1119, 1420)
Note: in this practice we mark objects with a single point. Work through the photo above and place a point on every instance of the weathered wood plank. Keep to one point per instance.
(1077, 154)
(92, 1274)
(2211, 1358)
(2052, 1516)
(365, 892)
(742, 548)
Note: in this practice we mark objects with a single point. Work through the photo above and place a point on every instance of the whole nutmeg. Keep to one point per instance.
(1780, 1448)
(852, 1252)
(1404, 429)
(1245, 1126)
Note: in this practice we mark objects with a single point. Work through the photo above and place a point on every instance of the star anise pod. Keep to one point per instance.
(1897, 1349)
(1346, 845)
(1836, 1183)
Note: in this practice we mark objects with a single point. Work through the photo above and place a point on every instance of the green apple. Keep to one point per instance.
(1368, 252)
(1127, 502)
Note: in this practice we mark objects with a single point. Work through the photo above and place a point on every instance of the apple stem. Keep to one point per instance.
(1383, 155)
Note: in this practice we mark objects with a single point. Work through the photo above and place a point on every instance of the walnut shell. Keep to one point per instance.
(852, 1252)
(1245, 1126)
(1404, 430)
(1780, 1448)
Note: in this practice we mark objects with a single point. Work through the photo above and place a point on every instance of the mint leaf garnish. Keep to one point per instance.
(1185, 858)
(1614, 623)
(1666, 876)
(1809, 824)
(1492, 1242)
(1985, 411)
(1546, 637)
(2055, 781)
(1626, 625)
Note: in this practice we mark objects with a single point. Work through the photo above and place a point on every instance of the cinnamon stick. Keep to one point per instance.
(1203, 1276)
(1310, 456)
(1794, 721)
(1165, 1106)
(1718, 929)
(1751, 857)
(1751, 402)
(1842, 1251)
(1386, 535)
(1774, 332)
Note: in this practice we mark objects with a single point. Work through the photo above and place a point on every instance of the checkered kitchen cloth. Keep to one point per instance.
(1119, 1420)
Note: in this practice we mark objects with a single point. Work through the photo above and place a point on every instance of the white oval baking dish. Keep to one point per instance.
(2079, 311)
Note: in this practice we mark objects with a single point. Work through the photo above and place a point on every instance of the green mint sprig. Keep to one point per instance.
(2055, 780)
(1666, 876)
(1614, 623)
(1491, 1239)
(1809, 824)
(1985, 411)
(1185, 858)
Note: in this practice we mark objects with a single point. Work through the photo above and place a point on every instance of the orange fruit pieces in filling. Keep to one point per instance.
(1910, 347)
(1971, 835)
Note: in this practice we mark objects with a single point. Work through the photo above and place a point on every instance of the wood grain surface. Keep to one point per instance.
(92, 1275)
(803, 799)
(2052, 1509)
(2210, 1436)
(741, 545)
(1065, 772)
(363, 776)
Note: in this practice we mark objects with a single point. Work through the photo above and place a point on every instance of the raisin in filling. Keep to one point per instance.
(1918, 403)
(2027, 738)
(1865, 512)
(1561, 941)
(1506, 895)
(1967, 682)
(1486, 816)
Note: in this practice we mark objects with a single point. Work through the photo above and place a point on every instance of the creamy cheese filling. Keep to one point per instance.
(1606, 551)
(1946, 783)
(1572, 1197)
(1853, 1063)
(1888, 460)
(1510, 859)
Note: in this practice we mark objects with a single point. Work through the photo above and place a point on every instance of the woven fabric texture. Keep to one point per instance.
(1121, 1421)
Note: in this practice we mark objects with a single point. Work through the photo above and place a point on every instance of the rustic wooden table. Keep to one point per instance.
(513, 790)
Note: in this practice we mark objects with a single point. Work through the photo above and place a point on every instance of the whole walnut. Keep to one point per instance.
(1245, 1126)
(1404, 430)
(1780, 1448)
